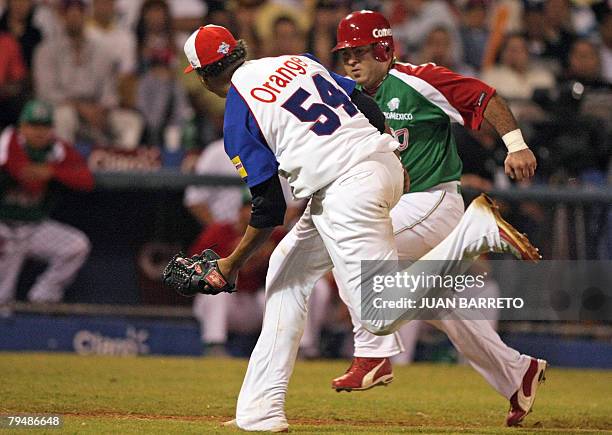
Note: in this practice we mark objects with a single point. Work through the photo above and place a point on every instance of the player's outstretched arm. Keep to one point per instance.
(520, 163)
(268, 211)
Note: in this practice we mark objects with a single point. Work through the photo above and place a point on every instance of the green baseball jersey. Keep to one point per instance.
(419, 103)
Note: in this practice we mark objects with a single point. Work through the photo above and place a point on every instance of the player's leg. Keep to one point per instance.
(295, 266)
(13, 248)
(420, 221)
(211, 313)
(65, 248)
(480, 230)
(317, 312)
(355, 223)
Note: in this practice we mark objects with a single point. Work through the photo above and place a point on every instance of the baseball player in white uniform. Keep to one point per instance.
(288, 115)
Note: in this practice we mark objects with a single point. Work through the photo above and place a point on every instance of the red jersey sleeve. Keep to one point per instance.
(13, 160)
(14, 68)
(72, 170)
(467, 95)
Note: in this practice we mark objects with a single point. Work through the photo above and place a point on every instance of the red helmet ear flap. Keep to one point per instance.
(382, 51)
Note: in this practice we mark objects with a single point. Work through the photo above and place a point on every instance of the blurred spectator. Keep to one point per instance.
(584, 63)
(591, 90)
(120, 43)
(154, 32)
(321, 37)
(557, 28)
(33, 164)
(605, 31)
(12, 79)
(17, 20)
(438, 49)
(482, 153)
(162, 102)
(515, 79)
(245, 13)
(287, 37)
(422, 16)
(76, 74)
(474, 32)
(209, 204)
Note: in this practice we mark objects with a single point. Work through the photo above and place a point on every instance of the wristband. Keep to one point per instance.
(514, 141)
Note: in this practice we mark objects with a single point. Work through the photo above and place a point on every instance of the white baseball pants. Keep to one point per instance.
(346, 222)
(65, 248)
(421, 220)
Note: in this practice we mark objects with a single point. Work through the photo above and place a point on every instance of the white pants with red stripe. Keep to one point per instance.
(346, 222)
(422, 221)
(63, 247)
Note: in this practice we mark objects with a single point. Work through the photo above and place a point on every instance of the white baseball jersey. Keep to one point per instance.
(290, 115)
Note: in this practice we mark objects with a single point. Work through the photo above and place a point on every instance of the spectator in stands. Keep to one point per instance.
(33, 164)
(482, 153)
(76, 74)
(154, 32)
(162, 101)
(585, 64)
(287, 37)
(437, 48)
(321, 37)
(557, 30)
(585, 68)
(12, 79)
(17, 20)
(474, 32)
(120, 43)
(422, 16)
(605, 31)
(516, 79)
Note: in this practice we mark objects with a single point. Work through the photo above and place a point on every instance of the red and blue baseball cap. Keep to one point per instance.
(207, 45)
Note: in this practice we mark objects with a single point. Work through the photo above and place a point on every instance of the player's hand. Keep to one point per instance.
(520, 165)
(228, 270)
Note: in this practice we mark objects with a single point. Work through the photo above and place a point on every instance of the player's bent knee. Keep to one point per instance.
(80, 246)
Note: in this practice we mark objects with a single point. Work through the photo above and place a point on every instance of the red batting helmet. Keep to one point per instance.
(364, 28)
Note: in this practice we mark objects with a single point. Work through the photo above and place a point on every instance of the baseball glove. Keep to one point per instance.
(198, 274)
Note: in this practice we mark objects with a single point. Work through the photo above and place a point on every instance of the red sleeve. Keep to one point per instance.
(219, 234)
(467, 95)
(13, 159)
(72, 170)
(16, 69)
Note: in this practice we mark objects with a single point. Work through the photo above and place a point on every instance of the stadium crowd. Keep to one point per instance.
(109, 73)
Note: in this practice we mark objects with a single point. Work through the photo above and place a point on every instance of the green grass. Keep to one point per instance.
(194, 395)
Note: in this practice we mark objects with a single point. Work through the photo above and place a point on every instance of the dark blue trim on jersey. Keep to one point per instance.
(345, 83)
(242, 137)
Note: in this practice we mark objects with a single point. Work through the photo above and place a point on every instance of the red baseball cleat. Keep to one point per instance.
(522, 401)
(364, 373)
(513, 241)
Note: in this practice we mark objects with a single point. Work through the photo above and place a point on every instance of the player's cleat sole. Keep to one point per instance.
(517, 242)
(363, 374)
(521, 402)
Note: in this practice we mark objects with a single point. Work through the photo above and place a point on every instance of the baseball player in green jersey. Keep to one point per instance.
(419, 103)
